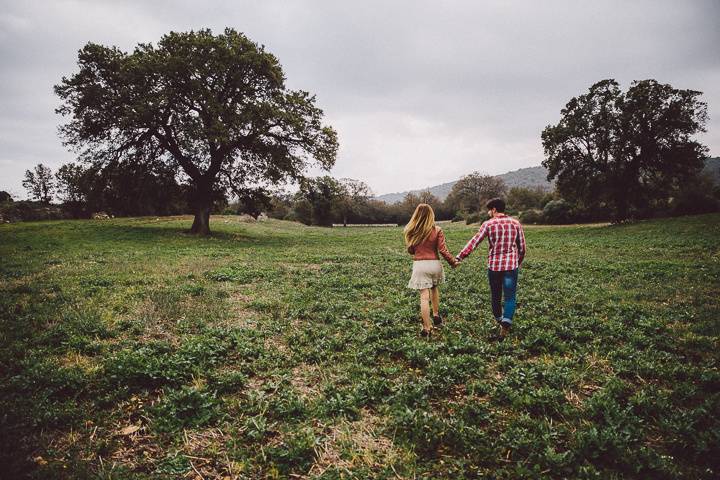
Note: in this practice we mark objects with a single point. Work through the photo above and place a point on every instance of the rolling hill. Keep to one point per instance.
(527, 177)
(524, 177)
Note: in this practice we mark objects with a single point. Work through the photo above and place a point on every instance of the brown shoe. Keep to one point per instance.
(504, 329)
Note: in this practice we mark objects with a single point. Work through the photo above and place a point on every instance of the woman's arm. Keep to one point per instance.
(442, 248)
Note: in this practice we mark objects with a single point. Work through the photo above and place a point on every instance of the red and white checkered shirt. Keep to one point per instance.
(506, 243)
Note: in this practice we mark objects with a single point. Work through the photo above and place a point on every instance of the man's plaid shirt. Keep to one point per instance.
(506, 243)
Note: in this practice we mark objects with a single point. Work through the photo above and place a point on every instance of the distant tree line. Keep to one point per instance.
(614, 155)
(132, 190)
(326, 201)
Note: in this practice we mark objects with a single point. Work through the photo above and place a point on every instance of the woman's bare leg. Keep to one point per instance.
(435, 291)
(425, 308)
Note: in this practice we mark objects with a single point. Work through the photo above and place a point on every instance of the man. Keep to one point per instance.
(506, 251)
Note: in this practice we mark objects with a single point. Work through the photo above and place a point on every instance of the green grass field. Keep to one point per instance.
(129, 350)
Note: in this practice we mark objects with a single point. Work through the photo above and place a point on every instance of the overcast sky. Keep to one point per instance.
(420, 92)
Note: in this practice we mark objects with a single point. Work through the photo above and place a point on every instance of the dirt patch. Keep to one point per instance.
(206, 450)
(138, 449)
(276, 343)
(133, 446)
(577, 397)
(255, 384)
(238, 298)
(597, 363)
(305, 267)
(83, 362)
(573, 398)
(239, 315)
(306, 380)
(158, 323)
(350, 445)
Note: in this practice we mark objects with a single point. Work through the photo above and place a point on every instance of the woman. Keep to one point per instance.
(424, 240)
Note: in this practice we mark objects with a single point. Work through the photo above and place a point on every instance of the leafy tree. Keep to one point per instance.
(527, 198)
(557, 211)
(411, 201)
(698, 196)
(426, 196)
(39, 183)
(317, 199)
(281, 205)
(211, 107)
(70, 182)
(531, 216)
(135, 189)
(5, 197)
(471, 192)
(123, 189)
(353, 195)
(253, 201)
(622, 151)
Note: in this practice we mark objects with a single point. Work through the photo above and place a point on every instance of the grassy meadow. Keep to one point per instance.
(131, 350)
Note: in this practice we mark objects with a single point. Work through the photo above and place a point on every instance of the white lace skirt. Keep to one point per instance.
(426, 274)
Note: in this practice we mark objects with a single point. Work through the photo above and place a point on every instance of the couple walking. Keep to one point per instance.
(506, 250)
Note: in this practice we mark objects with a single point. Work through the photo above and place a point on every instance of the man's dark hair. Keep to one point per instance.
(496, 203)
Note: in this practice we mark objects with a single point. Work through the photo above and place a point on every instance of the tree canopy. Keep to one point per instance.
(625, 151)
(39, 183)
(354, 195)
(471, 192)
(318, 199)
(214, 108)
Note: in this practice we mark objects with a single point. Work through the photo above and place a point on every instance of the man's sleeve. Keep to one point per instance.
(474, 242)
(521, 246)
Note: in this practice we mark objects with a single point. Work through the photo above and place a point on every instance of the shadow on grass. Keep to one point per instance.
(144, 231)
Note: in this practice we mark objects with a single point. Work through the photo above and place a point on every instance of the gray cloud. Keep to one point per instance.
(420, 92)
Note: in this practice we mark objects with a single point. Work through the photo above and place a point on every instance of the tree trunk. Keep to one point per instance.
(203, 205)
(621, 205)
(201, 223)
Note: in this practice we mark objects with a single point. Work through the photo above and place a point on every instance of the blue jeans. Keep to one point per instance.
(503, 284)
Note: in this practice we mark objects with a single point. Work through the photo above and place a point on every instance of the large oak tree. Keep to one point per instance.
(214, 107)
(623, 151)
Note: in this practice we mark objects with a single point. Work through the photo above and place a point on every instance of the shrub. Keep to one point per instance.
(557, 212)
(532, 217)
(694, 201)
(30, 211)
(472, 218)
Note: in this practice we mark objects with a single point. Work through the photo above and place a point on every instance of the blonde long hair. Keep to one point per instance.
(420, 225)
